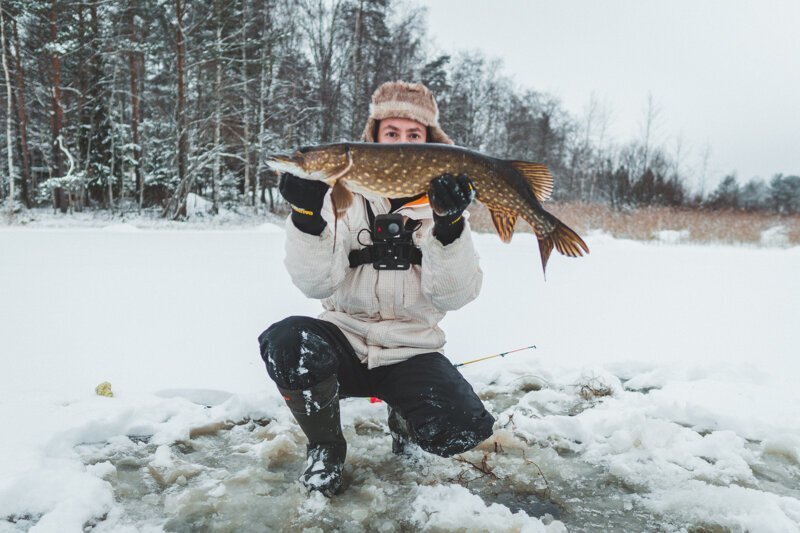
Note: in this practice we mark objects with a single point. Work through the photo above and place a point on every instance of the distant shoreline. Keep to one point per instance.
(660, 224)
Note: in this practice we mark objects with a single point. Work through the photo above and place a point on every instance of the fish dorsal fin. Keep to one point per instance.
(503, 223)
(537, 176)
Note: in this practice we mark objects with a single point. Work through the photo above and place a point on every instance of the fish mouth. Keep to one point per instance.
(284, 163)
(279, 158)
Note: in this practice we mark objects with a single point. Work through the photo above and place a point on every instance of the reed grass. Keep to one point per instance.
(649, 223)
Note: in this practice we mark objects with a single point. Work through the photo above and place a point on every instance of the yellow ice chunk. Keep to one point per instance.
(104, 389)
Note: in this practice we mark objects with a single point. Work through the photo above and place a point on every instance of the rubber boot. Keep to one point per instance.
(317, 412)
(398, 428)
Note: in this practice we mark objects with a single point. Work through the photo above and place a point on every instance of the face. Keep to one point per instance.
(401, 130)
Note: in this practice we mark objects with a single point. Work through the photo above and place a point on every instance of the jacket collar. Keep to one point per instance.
(416, 209)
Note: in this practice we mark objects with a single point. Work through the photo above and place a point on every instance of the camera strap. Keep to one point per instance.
(371, 253)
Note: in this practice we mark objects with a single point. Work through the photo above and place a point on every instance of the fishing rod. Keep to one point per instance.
(503, 354)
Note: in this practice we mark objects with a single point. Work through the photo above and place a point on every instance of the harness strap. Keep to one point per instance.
(370, 214)
(371, 253)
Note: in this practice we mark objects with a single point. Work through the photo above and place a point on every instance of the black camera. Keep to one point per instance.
(388, 227)
(393, 245)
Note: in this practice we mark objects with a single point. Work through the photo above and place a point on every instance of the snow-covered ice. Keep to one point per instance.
(662, 393)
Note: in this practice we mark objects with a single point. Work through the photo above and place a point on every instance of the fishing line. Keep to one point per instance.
(502, 354)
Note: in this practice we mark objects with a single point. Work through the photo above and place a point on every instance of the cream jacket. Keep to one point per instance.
(388, 316)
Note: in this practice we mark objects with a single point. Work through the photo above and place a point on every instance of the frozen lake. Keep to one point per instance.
(662, 393)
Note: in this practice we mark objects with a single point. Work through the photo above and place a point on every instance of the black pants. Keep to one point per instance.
(444, 414)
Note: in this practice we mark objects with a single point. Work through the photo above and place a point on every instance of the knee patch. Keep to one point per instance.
(297, 356)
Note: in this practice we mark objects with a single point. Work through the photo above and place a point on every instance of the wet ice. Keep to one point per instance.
(540, 473)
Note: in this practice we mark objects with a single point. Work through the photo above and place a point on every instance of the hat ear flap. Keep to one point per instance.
(370, 134)
(437, 135)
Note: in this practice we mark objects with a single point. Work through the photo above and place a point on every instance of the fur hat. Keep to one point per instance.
(398, 99)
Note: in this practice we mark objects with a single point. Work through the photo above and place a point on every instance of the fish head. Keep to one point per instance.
(319, 163)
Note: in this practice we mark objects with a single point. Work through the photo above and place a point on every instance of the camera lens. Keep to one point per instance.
(394, 228)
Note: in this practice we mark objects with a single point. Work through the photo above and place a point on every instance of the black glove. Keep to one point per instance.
(306, 198)
(449, 196)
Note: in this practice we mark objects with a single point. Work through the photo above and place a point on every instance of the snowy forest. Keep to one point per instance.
(122, 105)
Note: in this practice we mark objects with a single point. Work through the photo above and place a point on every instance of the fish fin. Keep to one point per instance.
(504, 224)
(545, 247)
(563, 239)
(568, 242)
(341, 198)
(537, 176)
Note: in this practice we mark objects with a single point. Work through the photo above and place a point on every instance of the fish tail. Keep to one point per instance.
(545, 248)
(563, 239)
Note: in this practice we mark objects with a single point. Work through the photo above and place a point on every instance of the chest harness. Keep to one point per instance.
(392, 245)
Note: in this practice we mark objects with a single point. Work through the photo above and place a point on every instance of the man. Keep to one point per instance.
(379, 333)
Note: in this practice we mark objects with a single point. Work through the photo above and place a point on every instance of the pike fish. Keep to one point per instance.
(509, 189)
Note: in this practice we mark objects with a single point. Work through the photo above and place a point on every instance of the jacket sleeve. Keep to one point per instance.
(316, 267)
(451, 275)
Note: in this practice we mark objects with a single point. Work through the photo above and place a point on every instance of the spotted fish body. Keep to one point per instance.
(509, 189)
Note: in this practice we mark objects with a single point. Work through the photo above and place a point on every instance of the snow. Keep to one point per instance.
(671, 236)
(775, 236)
(661, 395)
(453, 507)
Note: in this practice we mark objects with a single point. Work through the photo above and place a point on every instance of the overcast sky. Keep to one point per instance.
(724, 73)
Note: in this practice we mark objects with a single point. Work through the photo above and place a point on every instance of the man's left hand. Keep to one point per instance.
(449, 196)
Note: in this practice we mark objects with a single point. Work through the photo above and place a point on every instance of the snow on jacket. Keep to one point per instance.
(387, 315)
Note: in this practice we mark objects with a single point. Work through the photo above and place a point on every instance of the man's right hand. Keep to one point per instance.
(304, 195)
(306, 198)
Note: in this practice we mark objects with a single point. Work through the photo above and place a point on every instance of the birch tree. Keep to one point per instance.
(9, 114)
(322, 26)
(177, 203)
(22, 121)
